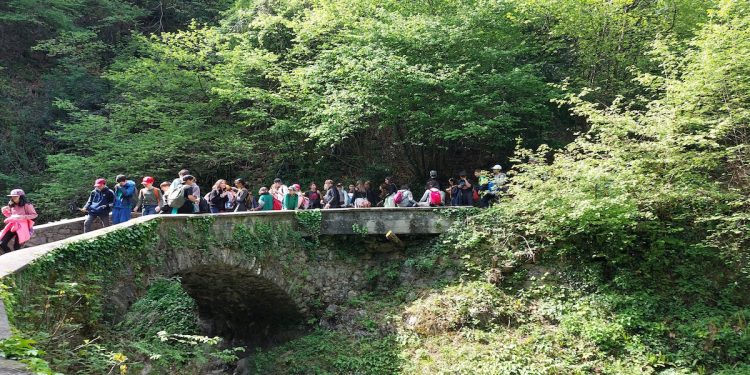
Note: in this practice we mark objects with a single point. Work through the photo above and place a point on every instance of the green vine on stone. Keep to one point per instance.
(360, 230)
(310, 221)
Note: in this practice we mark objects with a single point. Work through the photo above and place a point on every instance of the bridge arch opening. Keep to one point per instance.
(240, 305)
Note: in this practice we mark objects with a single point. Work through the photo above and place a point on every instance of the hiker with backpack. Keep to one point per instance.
(181, 200)
(99, 205)
(244, 198)
(178, 181)
(124, 195)
(481, 188)
(265, 200)
(432, 197)
(218, 196)
(495, 186)
(332, 199)
(19, 222)
(149, 198)
(404, 197)
(314, 197)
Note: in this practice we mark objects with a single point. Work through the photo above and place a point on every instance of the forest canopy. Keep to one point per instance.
(306, 89)
(623, 126)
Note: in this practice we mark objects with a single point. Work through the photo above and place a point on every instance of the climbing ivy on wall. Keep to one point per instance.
(61, 300)
(310, 222)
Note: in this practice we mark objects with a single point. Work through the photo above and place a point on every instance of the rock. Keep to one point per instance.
(242, 367)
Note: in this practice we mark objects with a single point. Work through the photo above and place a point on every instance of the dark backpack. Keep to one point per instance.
(203, 206)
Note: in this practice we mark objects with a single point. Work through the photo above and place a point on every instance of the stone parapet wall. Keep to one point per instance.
(334, 222)
(251, 269)
(60, 230)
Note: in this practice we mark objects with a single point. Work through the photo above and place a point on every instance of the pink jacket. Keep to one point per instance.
(20, 221)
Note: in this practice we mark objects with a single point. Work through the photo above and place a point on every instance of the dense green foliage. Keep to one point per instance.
(622, 244)
(305, 89)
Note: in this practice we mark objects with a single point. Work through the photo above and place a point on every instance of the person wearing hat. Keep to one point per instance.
(19, 224)
(494, 186)
(292, 199)
(149, 198)
(99, 205)
(432, 182)
(124, 194)
(265, 200)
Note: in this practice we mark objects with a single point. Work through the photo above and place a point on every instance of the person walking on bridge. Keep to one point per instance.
(124, 193)
(99, 205)
(178, 181)
(19, 222)
(149, 198)
(187, 189)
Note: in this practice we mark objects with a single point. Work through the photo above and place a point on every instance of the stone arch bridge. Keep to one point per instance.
(248, 272)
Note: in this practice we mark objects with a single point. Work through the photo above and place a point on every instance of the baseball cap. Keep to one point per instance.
(100, 181)
(16, 193)
(148, 180)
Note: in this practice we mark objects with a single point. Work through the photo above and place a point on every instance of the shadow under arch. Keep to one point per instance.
(238, 304)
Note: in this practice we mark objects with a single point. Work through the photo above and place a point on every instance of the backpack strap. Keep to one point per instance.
(158, 195)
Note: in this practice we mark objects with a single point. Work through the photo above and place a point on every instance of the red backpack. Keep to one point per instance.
(436, 199)
(399, 197)
(276, 204)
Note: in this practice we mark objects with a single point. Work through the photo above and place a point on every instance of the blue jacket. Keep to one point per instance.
(124, 195)
(100, 202)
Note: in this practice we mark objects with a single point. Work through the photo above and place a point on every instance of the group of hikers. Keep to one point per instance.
(183, 196)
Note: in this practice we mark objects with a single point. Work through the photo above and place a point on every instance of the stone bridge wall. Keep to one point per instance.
(247, 269)
(60, 230)
(373, 221)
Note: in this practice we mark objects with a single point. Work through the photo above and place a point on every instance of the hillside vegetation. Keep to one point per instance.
(621, 247)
